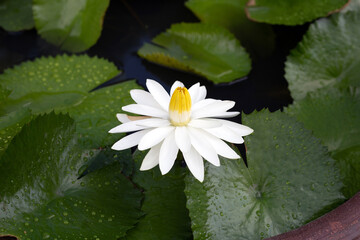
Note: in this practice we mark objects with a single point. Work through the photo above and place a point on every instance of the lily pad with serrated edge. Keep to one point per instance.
(328, 55)
(63, 84)
(290, 180)
(208, 50)
(333, 116)
(349, 164)
(72, 25)
(164, 205)
(294, 12)
(42, 197)
(257, 38)
(16, 15)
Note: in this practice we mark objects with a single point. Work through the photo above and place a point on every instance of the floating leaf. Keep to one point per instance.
(96, 114)
(294, 12)
(257, 38)
(72, 25)
(290, 181)
(327, 56)
(208, 50)
(63, 84)
(349, 163)
(42, 197)
(11, 124)
(166, 216)
(332, 115)
(16, 15)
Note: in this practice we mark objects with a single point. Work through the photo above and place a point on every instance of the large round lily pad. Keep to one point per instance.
(63, 84)
(328, 55)
(42, 197)
(290, 180)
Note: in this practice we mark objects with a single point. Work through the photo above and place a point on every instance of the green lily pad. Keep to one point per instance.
(164, 205)
(332, 115)
(328, 55)
(294, 12)
(42, 197)
(16, 15)
(208, 50)
(63, 84)
(72, 25)
(96, 114)
(349, 163)
(290, 180)
(257, 38)
(11, 124)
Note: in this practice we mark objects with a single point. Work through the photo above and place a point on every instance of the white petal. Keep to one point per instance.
(204, 123)
(202, 94)
(195, 164)
(175, 85)
(226, 134)
(201, 104)
(212, 109)
(226, 115)
(203, 147)
(154, 137)
(159, 93)
(219, 145)
(194, 92)
(151, 159)
(236, 127)
(145, 110)
(144, 98)
(182, 139)
(126, 127)
(152, 122)
(123, 118)
(168, 154)
(129, 141)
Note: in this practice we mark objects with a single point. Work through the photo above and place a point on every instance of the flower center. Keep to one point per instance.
(180, 107)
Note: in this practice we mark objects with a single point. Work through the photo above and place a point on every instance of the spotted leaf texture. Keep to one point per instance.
(290, 180)
(42, 197)
(63, 84)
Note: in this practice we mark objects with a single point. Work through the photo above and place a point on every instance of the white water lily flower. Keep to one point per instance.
(184, 120)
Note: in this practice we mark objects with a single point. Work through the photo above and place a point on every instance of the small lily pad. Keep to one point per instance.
(328, 55)
(208, 50)
(16, 15)
(166, 216)
(42, 197)
(290, 181)
(72, 25)
(294, 12)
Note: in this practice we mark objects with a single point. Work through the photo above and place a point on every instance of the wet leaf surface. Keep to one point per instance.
(290, 180)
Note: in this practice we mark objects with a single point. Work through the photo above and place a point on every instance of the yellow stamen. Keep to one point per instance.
(180, 107)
